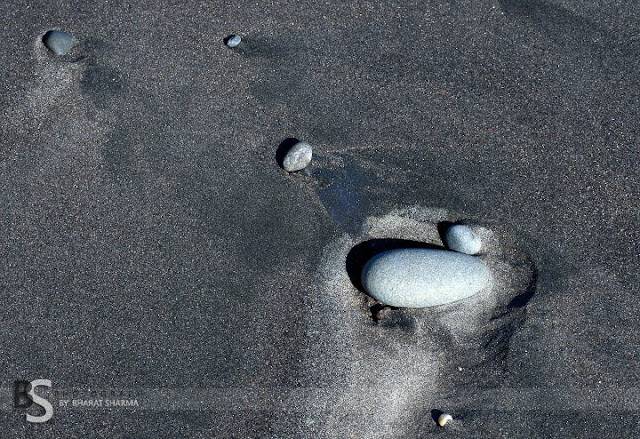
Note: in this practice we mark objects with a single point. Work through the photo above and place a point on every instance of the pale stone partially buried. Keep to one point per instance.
(298, 157)
(234, 41)
(462, 239)
(419, 278)
(58, 42)
(444, 419)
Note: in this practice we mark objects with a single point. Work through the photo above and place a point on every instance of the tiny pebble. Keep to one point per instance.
(58, 42)
(298, 157)
(462, 239)
(444, 419)
(382, 313)
(234, 41)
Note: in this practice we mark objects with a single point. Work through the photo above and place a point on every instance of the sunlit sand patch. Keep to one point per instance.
(383, 373)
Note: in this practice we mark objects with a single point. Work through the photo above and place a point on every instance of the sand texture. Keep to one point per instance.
(151, 245)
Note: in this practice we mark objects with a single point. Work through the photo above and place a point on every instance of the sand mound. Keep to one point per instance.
(381, 374)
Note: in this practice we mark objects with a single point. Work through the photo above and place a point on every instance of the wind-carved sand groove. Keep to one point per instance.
(61, 98)
(381, 375)
(56, 81)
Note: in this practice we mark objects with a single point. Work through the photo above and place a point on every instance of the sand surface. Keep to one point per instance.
(151, 248)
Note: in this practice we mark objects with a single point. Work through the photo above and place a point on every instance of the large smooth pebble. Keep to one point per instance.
(462, 239)
(419, 278)
(58, 42)
(298, 157)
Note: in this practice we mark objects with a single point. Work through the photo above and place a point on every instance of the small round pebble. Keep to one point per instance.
(298, 157)
(58, 42)
(461, 238)
(234, 41)
(383, 312)
(444, 419)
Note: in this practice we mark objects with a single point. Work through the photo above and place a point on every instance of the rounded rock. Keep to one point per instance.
(298, 157)
(234, 41)
(461, 238)
(444, 419)
(58, 42)
(420, 278)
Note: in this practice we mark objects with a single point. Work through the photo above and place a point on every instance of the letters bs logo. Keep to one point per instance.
(25, 396)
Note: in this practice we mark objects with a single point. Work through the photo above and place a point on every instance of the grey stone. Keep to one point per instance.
(58, 42)
(298, 157)
(462, 239)
(234, 41)
(419, 278)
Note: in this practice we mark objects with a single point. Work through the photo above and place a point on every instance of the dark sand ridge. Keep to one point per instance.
(150, 241)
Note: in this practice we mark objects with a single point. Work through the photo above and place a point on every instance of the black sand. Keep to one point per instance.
(151, 246)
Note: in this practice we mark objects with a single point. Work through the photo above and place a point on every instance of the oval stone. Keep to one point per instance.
(462, 239)
(58, 42)
(234, 41)
(419, 278)
(298, 157)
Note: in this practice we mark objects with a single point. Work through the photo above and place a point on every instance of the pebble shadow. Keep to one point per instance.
(443, 226)
(435, 414)
(284, 148)
(521, 300)
(361, 253)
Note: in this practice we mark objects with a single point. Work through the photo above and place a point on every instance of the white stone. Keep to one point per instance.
(462, 239)
(234, 41)
(419, 278)
(298, 157)
(444, 419)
